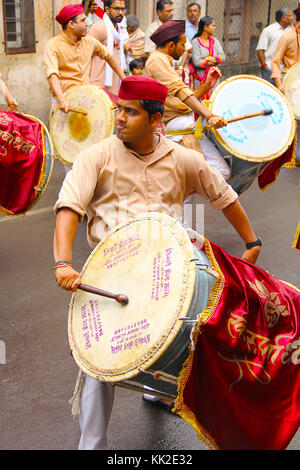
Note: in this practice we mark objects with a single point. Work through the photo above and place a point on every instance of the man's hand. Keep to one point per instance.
(213, 76)
(211, 60)
(252, 254)
(68, 278)
(127, 47)
(63, 105)
(217, 122)
(12, 108)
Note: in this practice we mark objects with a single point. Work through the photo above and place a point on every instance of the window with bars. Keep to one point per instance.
(19, 27)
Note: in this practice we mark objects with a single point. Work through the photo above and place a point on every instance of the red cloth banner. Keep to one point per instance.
(100, 11)
(269, 175)
(21, 161)
(240, 387)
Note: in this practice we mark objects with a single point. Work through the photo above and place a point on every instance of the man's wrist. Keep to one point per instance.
(257, 242)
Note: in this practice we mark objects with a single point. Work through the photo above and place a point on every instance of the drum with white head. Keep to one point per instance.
(252, 142)
(90, 120)
(168, 282)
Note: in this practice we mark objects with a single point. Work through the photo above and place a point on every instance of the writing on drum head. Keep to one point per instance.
(130, 336)
(161, 273)
(122, 251)
(91, 323)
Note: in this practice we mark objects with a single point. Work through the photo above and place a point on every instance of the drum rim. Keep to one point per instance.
(247, 157)
(288, 72)
(39, 194)
(163, 345)
(57, 110)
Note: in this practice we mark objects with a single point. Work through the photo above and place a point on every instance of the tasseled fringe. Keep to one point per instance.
(76, 398)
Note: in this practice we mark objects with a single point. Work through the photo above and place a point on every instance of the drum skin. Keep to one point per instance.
(151, 260)
(291, 84)
(74, 132)
(258, 139)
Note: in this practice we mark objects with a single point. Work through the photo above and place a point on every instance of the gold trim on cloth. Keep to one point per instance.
(179, 407)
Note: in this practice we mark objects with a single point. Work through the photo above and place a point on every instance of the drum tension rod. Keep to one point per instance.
(206, 268)
(38, 189)
(188, 320)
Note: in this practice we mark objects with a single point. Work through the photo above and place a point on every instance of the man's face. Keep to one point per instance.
(193, 14)
(166, 14)
(116, 11)
(286, 20)
(178, 49)
(79, 27)
(132, 121)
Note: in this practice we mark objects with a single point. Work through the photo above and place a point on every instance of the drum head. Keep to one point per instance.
(257, 139)
(291, 84)
(149, 260)
(74, 132)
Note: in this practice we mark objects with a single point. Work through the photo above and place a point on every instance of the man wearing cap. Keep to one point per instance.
(288, 54)
(137, 170)
(68, 56)
(181, 102)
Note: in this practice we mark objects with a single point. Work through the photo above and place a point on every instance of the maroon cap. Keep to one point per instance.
(297, 12)
(168, 30)
(139, 87)
(69, 12)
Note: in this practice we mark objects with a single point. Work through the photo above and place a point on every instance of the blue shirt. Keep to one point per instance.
(190, 31)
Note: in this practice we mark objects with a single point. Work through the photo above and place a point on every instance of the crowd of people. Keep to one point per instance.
(160, 75)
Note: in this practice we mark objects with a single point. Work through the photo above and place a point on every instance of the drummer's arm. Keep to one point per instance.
(8, 97)
(215, 121)
(212, 77)
(116, 67)
(55, 86)
(65, 231)
(236, 215)
(276, 64)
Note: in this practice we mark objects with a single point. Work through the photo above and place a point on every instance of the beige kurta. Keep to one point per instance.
(159, 66)
(99, 31)
(110, 183)
(71, 62)
(287, 52)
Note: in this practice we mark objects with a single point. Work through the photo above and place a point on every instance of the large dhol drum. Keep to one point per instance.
(26, 162)
(291, 84)
(250, 144)
(168, 282)
(91, 122)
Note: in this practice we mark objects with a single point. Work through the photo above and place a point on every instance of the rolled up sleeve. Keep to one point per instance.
(80, 183)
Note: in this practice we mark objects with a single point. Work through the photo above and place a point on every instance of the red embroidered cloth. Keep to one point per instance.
(21, 161)
(240, 388)
(269, 175)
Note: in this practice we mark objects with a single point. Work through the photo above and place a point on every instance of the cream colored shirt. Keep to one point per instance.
(159, 66)
(71, 62)
(287, 52)
(111, 183)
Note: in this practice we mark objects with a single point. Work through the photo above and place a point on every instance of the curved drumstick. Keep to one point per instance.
(121, 298)
(264, 112)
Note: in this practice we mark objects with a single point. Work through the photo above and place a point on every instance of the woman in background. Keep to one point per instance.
(207, 52)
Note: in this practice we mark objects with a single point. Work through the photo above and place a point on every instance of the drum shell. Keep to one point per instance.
(172, 360)
(243, 172)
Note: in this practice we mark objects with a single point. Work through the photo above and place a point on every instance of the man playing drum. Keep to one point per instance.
(137, 170)
(181, 102)
(68, 56)
(288, 54)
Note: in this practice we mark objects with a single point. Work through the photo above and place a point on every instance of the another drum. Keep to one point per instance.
(92, 122)
(291, 84)
(27, 163)
(251, 143)
(168, 282)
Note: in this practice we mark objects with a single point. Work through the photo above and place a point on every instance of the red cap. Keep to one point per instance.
(168, 30)
(69, 12)
(138, 87)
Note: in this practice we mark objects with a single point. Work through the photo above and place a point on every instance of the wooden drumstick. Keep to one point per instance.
(72, 110)
(121, 298)
(264, 112)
